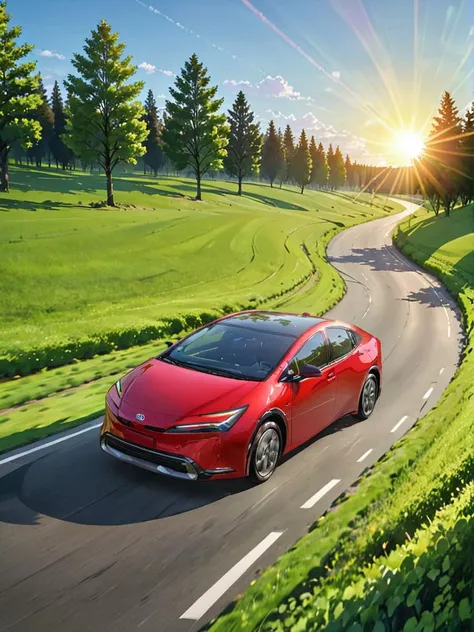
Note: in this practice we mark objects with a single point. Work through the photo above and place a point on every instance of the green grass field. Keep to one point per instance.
(71, 271)
(68, 270)
(344, 575)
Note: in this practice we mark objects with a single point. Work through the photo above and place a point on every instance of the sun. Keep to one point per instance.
(409, 145)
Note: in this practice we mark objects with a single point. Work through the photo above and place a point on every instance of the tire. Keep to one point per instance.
(368, 397)
(265, 452)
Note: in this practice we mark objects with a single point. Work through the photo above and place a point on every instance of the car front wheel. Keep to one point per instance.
(265, 452)
(368, 397)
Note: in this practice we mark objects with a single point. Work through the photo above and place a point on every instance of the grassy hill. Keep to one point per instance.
(398, 554)
(69, 271)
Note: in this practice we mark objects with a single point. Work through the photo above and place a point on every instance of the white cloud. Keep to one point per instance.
(336, 74)
(271, 87)
(51, 53)
(328, 89)
(151, 69)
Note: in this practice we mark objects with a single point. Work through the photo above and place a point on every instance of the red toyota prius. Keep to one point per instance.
(235, 395)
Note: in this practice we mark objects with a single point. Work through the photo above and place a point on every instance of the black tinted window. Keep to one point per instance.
(231, 350)
(313, 352)
(340, 342)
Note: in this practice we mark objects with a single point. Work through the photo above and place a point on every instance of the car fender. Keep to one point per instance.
(273, 412)
(371, 368)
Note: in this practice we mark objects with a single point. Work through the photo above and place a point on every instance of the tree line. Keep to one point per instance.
(103, 123)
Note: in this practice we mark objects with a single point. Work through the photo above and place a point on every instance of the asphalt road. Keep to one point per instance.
(89, 543)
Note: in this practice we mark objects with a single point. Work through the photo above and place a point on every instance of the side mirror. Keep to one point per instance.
(168, 343)
(308, 370)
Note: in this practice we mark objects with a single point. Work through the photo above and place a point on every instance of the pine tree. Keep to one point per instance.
(320, 172)
(19, 96)
(272, 155)
(301, 166)
(331, 166)
(104, 118)
(467, 151)
(441, 163)
(288, 150)
(154, 155)
(348, 168)
(243, 150)
(337, 175)
(195, 134)
(59, 150)
(313, 152)
(44, 115)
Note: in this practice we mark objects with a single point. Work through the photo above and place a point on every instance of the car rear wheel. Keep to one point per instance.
(368, 397)
(265, 452)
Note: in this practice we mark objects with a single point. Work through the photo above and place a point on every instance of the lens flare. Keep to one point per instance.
(408, 145)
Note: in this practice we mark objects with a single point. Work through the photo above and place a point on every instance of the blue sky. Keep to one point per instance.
(352, 72)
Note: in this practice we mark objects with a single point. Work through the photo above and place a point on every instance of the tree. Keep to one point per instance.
(288, 151)
(154, 156)
(272, 155)
(441, 163)
(313, 152)
(44, 115)
(331, 165)
(103, 116)
(59, 150)
(195, 134)
(348, 168)
(320, 169)
(18, 94)
(301, 165)
(243, 150)
(467, 151)
(337, 171)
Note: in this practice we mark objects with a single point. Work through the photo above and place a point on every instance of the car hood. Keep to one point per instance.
(165, 393)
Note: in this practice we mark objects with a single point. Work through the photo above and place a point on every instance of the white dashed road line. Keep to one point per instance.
(428, 393)
(215, 592)
(397, 426)
(322, 492)
(365, 455)
(49, 444)
(441, 371)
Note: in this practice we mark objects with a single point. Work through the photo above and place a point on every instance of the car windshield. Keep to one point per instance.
(232, 350)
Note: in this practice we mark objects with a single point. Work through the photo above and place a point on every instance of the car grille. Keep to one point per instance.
(159, 458)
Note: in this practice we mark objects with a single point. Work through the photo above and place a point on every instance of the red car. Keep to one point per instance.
(235, 395)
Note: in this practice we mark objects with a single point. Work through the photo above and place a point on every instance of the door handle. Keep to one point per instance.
(331, 376)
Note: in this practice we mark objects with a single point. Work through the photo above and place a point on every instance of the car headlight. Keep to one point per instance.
(212, 422)
(118, 388)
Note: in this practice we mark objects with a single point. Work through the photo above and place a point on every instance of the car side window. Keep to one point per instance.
(340, 342)
(313, 352)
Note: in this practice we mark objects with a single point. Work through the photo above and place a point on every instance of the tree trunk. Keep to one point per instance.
(281, 184)
(302, 189)
(4, 170)
(271, 183)
(110, 187)
(198, 183)
(144, 168)
(240, 185)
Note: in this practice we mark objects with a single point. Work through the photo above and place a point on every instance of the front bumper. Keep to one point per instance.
(156, 461)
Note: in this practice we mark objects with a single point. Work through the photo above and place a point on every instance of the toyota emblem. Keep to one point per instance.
(140, 417)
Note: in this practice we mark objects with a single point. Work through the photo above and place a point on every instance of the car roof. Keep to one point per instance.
(288, 324)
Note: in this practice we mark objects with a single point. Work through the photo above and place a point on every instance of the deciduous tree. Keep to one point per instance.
(104, 117)
(243, 150)
(19, 96)
(195, 134)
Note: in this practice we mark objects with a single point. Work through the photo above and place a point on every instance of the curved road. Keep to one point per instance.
(88, 543)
